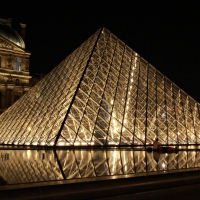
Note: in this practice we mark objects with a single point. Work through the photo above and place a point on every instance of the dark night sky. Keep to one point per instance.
(164, 32)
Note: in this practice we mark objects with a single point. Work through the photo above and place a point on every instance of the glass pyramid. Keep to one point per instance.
(102, 94)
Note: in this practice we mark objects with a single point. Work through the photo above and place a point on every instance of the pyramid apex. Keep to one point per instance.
(103, 94)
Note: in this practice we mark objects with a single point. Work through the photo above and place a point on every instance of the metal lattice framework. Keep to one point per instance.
(102, 94)
(27, 166)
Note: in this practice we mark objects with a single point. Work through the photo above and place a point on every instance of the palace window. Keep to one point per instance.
(17, 81)
(17, 65)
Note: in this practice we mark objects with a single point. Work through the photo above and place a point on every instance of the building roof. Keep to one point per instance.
(11, 35)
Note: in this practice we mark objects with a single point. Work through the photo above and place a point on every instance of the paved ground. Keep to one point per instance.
(190, 192)
(170, 186)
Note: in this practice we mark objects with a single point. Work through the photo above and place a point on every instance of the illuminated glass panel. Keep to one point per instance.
(102, 94)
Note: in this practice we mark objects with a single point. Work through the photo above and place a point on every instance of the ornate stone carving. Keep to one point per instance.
(7, 45)
(10, 79)
(1, 79)
(27, 64)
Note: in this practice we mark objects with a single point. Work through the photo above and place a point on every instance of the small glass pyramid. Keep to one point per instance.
(103, 94)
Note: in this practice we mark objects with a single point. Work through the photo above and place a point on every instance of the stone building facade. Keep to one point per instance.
(14, 64)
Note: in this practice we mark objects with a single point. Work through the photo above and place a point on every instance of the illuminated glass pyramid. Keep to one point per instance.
(102, 94)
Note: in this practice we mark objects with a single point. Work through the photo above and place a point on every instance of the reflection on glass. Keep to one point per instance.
(32, 166)
(24, 166)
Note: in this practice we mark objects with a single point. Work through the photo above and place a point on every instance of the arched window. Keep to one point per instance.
(17, 65)
(17, 81)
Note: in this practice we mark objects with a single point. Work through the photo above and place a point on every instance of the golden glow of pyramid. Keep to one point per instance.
(103, 94)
